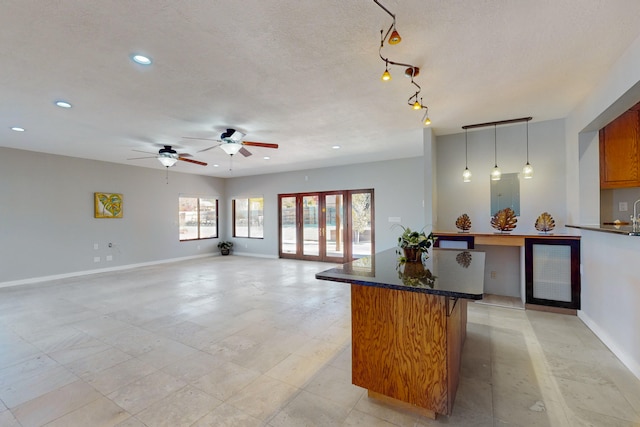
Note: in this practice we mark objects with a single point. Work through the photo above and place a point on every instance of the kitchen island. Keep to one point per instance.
(408, 324)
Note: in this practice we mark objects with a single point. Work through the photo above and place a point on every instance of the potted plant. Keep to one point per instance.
(225, 247)
(415, 243)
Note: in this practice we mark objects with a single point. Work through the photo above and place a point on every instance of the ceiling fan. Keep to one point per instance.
(231, 142)
(168, 157)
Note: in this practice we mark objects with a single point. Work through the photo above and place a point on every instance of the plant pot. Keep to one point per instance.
(412, 254)
(224, 251)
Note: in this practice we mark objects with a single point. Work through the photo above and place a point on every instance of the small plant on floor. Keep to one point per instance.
(225, 247)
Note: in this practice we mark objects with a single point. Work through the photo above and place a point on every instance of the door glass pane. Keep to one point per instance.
(361, 224)
(334, 218)
(288, 230)
(310, 229)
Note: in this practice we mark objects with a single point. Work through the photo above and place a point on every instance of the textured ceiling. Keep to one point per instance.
(304, 75)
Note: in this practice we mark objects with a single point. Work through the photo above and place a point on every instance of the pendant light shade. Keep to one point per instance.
(527, 170)
(496, 174)
(466, 175)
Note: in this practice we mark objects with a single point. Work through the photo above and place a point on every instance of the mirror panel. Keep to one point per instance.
(505, 193)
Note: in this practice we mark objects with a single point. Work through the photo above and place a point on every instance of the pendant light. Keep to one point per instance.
(527, 170)
(495, 173)
(466, 175)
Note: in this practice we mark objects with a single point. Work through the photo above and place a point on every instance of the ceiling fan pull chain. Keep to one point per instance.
(167, 172)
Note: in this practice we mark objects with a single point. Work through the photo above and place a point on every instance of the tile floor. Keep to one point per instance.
(238, 341)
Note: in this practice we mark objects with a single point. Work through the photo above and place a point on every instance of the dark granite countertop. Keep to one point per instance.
(447, 272)
(625, 230)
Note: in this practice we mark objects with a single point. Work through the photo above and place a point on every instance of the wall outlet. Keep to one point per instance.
(493, 274)
(96, 259)
(109, 258)
(623, 207)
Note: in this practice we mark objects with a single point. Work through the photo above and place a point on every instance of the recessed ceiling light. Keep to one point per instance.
(266, 157)
(63, 104)
(17, 129)
(141, 59)
(336, 147)
(216, 166)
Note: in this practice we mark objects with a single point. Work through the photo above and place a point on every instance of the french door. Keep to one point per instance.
(331, 226)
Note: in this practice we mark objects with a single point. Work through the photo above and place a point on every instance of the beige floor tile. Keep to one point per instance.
(255, 336)
(228, 416)
(165, 353)
(97, 362)
(332, 384)
(180, 409)
(29, 368)
(8, 420)
(360, 419)
(296, 370)
(193, 366)
(47, 380)
(226, 380)
(307, 409)
(48, 407)
(144, 392)
(603, 399)
(117, 376)
(263, 398)
(101, 412)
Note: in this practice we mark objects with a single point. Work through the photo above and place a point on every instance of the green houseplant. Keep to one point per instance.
(415, 243)
(225, 247)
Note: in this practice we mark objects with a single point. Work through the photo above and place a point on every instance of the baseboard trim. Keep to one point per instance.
(627, 360)
(40, 279)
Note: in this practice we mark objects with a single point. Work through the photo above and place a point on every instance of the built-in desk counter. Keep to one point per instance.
(409, 324)
(550, 265)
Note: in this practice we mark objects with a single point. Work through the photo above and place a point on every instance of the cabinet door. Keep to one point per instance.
(619, 152)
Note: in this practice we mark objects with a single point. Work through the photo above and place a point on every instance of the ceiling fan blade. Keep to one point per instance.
(244, 152)
(208, 148)
(260, 144)
(138, 158)
(146, 152)
(184, 155)
(200, 139)
(197, 162)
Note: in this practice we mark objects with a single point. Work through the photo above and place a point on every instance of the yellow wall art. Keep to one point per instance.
(108, 205)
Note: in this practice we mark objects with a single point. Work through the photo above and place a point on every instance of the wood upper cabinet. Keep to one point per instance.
(619, 151)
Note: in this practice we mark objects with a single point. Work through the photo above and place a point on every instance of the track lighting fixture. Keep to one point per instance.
(386, 76)
(393, 37)
(425, 119)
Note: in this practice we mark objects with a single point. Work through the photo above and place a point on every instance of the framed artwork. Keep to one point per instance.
(107, 205)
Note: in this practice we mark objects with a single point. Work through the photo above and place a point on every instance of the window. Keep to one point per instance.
(198, 217)
(248, 218)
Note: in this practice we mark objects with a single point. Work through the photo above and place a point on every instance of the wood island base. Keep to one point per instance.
(407, 346)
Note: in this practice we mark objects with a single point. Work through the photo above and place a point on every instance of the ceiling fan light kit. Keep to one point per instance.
(393, 37)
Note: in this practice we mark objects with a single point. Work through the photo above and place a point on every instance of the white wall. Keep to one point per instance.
(610, 286)
(398, 191)
(545, 192)
(47, 226)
